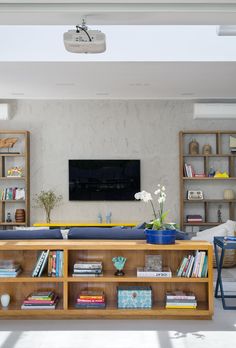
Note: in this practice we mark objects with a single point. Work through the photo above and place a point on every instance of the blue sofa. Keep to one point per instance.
(115, 233)
(30, 234)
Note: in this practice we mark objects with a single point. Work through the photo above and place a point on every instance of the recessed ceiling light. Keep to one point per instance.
(187, 93)
(102, 93)
(139, 84)
(65, 84)
(18, 93)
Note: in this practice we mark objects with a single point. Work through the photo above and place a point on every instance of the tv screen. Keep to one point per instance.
(103, 180)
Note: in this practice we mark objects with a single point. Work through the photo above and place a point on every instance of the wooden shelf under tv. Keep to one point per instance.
(26, 253)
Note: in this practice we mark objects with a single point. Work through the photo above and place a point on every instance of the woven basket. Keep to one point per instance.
(229, 258)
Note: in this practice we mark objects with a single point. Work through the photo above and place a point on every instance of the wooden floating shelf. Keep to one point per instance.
(12, 178)
(11, 154)
(25, 277)
(201, 223)
(212, 155)
(109, 278)
(207, 178)
(12, 223)
(111, 311)
(12, 201)
(210, 201)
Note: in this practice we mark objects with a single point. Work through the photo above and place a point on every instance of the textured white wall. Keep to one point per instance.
(146, 130)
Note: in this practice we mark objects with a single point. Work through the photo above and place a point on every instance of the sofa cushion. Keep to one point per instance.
(117, 233)
(30, 234)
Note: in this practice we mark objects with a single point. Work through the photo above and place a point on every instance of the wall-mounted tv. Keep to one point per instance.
(103, 180)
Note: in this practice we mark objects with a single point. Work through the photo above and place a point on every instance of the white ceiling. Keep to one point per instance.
(117, 80)
(113, 80)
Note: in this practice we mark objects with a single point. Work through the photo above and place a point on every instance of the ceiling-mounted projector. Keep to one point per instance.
(83, 40)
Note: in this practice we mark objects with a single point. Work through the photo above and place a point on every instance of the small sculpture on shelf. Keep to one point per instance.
(7, 143)
(119, 263)
(194, 147)
(211, 172)
(206, 150)
(219, 214)
(100, 218)
(228, 194)
(9, 219)
(15, 172)
(108, 217)
(221, 175)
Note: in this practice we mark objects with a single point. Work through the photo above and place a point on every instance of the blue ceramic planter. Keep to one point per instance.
(160, 236)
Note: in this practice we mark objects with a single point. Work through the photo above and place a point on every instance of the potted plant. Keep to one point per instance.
(47, 200)
(158, 231)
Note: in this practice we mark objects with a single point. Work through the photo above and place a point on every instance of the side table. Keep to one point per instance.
(222, 244)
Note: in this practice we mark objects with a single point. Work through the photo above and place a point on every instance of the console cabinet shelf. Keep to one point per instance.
(68, 287)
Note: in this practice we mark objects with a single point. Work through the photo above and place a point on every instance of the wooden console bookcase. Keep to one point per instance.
(67, 287)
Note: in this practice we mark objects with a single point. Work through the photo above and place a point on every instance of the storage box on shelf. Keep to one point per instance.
(194, 170)
(12, 177)
(68, 288)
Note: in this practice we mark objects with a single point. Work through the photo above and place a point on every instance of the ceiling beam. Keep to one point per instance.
(61, 13)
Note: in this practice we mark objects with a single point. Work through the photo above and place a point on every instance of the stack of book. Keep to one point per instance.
(194, 218)
(90, 299)
(188, 170)
(195, 266)
(87, 269)
(9, 269)
(55, 263)
(12, 193)
(40, 300)
(180, 299)
(143, 272)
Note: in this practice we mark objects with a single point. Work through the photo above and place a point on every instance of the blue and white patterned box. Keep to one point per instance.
(134, 297)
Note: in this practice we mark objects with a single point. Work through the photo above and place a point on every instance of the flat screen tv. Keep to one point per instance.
(103, 180)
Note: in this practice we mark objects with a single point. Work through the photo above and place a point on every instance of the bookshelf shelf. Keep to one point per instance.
(131, 277)
(212, 155)
(207, 178)
(12, 223)
(12, 201)
(210, 201)
(201, 223)
(220, 160)
(67, 287)
(12, 178)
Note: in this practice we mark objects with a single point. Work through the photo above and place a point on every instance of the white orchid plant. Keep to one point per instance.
(159, 222)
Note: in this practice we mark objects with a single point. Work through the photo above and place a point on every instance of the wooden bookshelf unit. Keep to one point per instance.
(68, 287)
(220, 159)
(19, 155)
